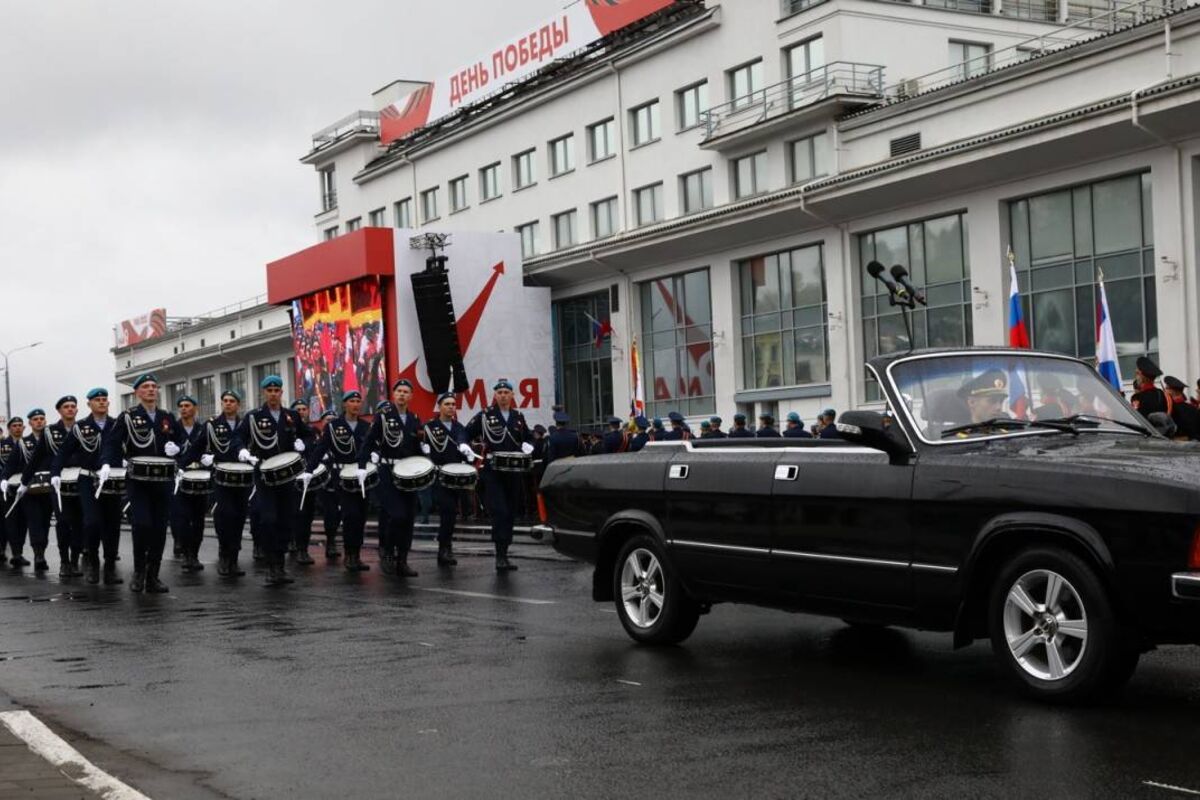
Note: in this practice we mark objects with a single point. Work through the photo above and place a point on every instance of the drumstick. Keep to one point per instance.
(13, 507)
(99, 488)
(125, 508)
(303, 494)
(58, 491)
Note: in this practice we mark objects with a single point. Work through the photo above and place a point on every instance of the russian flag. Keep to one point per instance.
(1106, 343)
(1018, 336)
(600, 330)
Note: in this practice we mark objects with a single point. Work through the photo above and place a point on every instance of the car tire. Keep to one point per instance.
(1053, 627)
(651, 601)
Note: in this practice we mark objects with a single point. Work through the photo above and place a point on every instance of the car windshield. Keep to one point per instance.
(997, 394)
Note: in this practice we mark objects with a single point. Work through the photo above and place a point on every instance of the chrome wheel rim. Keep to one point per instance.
(642, 588)
(1045, 625)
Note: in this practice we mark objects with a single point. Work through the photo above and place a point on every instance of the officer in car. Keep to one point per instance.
(985, 395)
(641, 436)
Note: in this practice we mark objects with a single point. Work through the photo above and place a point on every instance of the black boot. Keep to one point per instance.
(76, 572)
(64, 568)
(138, 584)
(91, 564)
(331, 549)
(223, 569)
(39, 561)
(153, 584)
(196, 565)
(446, 557)
(258, 555)
(234, 570)
(111, 578)
(502, 562)
(402, 567)
(282, 566)
(19, 561)
(302, 557)
(387, 563)
(177, 549)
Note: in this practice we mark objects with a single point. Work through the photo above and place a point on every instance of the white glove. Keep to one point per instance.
(4, 490)
(244, 456)
(425, 448)
(466, 450)
(361, 474)
(56, 482)
(298, 446)
(21, 490)
(527, 448)
(171, 449)
(124, 463)
(206, 460)
(305, 477)
(104, 470)
(374, 458)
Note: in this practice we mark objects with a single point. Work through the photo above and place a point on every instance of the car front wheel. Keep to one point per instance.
(1052, 625)
(650, 599)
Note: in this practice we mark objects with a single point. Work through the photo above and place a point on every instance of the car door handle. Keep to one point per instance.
(678, 471)
(787, 472)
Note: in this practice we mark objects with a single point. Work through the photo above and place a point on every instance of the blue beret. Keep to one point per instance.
(767, 416)
(562, 417)
(145, 376)
(35, 412)
(503, 383)
(739, 417)
(295, 403)
(657, 422)
(66, 398)
(829, 412)
(329, 415)
(675, 416)
(614, 420)
(14, 421)
(99, 391)
(402, 382)
(642, 423)
(715, 420)
(271, 381)
(353, 394)
(445, 396)
(705, 423)
(186, 398)
(793, 417)
(382, 405)
(234, 394)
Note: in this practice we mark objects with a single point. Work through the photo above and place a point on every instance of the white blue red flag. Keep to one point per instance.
(1106, 343)
(1018, 336)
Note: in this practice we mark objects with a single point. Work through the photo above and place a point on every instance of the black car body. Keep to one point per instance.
(906, 522)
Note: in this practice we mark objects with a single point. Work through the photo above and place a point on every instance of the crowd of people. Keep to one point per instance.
(1168, 408)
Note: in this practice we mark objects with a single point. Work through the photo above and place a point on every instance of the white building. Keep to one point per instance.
(229, 348)
(715, 182)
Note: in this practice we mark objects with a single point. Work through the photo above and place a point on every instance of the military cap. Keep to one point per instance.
(739, 417)
(503, 383)
(1148, 367)
(35, 412)
(614, 420)
(353, 394)
(794, 417)
(705, 425)
(715, 421)
(234, 394)
(66, 398)
(99, 391)
(328, 414)
(539, 429)
(991, 383)
(642, 423)
(829, 412)
(144, 378)
(445, 396)
(185, 398)
(658, 423)
(271, 381)
(767, 417)
(402, 382)
(295, 403)
(562, 417)
(675, 416)
(1171, 382)
(381, 406)
(14, 421)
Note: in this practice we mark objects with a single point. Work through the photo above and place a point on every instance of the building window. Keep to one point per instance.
(935, 253)
(353, 224)
(127, 400)
(648, 204)
(429, 204)
(677, 342)
(1063, 241)
(458, 194)
(260, 371)
(489, 182)
(601, 140)
(805, 63)
(529, 239)
(604, 218)
(176, 391)
(523, 174)
(809, 157)
(234, 380)
(643, 122)
(695, 190)
(971, 58)
(744, 83)
(584, 374)
(784, 313)
(402, 213)
(750, 175)
(202, 390)
(564, 229)
(378, 218)
(328, 189)
(689, 103)
(562, 155)
(331, 233)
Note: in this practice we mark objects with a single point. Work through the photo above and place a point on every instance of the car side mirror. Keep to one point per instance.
(869, 429)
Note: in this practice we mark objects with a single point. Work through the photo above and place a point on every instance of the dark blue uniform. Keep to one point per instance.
(231, 502)
(14, 520)
(675, 435)
(68, 525)
(444, 440)
(767, 432)
(741, 433)
(302, 532)
(615, 442)
(99, 517)
(638, 441)
(339, 446)
(797, 432)
(139, 432)
(393, 436)
(501, 490)
(188, 510)
(31, 456)
(563, 443)
(830, 432)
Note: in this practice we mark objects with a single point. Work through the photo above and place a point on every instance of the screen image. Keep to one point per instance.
(337, 335)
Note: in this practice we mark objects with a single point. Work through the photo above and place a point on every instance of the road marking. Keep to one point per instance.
(54, 749)
(485, 596)
(425, 644)
(1171, 788)
(628, 683)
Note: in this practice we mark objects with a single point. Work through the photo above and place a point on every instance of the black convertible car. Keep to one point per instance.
(1006, 494)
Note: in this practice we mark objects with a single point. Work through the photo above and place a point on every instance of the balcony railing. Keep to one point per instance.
(1097, 14)
(841, 78)
(358, 122)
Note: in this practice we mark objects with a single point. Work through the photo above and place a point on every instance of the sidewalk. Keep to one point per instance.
(25, 774)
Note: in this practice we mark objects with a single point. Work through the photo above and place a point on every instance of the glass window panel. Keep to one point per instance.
(916, 255)
(1116, 206)
(803, 167)
(1122, 266)
(946, 294)
(943, 249)
(810, 362)
(1019, 222)
(1054, 321)
(1050, 227)
(1085, 327)
(1082, 204)
(1052, 277)
(1148, 262)
(870, 339)
(766, 283)
(892, 336)
(1085, 272)
(945, 326)
(1125, 305)
(697, 304)
(768, 360)
(808, 283)
(891, 247)
(1151, 300)
(766, 322)
(812, 315)
(1147, 211)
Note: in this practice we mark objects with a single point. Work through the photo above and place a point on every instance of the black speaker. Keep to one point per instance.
(439, 327)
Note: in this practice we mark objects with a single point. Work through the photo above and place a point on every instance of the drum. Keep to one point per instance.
(348, 478)
(195, 481)
(413, 474)
(40, 483)
(320, 477)
(152, 469)
(278, 470)
(233, 475)
(457, 476)
(515, 461)
(69, 482)
(115, 485)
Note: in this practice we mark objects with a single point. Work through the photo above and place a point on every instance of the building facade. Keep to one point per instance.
(230, 348)
(713, 183)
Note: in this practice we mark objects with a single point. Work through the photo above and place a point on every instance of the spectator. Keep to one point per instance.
(767, 429)
(740, 431)
(1186, 417)
(714, 423)
(827, 427)
(794, 427)
(1148, 398)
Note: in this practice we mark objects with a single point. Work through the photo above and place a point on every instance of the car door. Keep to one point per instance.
(719, 518)
(841, 523)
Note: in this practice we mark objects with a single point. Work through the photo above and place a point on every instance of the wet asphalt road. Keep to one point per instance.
(466, 684)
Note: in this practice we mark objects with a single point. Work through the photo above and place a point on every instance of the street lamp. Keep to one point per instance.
(7, 392)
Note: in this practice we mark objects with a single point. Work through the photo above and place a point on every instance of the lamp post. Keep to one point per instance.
(7, 391)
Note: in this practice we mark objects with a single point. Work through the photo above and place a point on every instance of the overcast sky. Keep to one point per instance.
(149, 151)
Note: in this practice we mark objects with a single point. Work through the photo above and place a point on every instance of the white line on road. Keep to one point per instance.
(628, 683)
(1171, 788)
(54, 749)
(484, 596)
